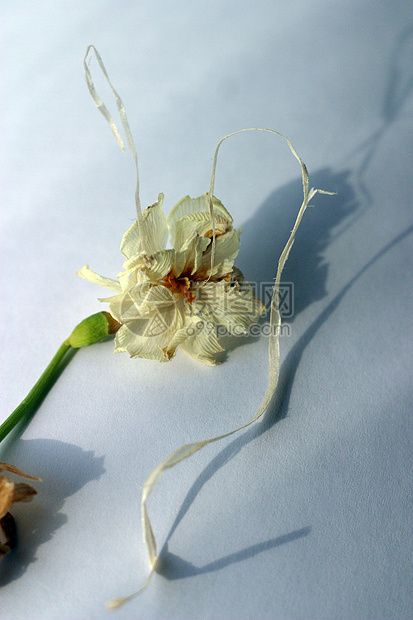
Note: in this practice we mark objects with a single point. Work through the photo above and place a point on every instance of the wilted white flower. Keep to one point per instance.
(170, 298)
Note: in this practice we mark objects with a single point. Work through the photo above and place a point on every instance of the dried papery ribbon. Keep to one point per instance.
(187, 450)
(304, 175)
(143, 235)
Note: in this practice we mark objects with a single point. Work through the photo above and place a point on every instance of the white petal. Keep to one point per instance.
(226, 250)
(141, 268)
(156, 298)
(159, 265)
(192, 205)
(115, 305)
(179, 337)
(141, 300)
(126, 309)
(137, 346)
(230, 304)
(189, 259)
(94, 277)
(150, 333)
(198, 224)
(203, 344)
(133, 277)
(137, 261)
(155, 230)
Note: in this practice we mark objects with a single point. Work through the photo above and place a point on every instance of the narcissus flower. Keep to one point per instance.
(10, 493)
(170, 298)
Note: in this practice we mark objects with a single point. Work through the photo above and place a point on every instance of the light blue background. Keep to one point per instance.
(309, 513)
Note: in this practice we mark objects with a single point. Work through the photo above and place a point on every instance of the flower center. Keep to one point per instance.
(180, 285)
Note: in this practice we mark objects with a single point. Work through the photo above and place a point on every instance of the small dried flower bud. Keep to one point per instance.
(95, 328)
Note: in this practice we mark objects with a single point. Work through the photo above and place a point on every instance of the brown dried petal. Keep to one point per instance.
(6, 495)
(11, 492)
(15, 470)
(23, 492)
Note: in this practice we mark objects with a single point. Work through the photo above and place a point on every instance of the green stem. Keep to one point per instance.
(95, 328)
(33, 399)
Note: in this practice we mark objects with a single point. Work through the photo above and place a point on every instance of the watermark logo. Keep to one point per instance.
(156, 326)
(156, 313)
(285, 297)
(151, 316)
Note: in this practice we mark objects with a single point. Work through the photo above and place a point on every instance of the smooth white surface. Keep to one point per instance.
(309, 516)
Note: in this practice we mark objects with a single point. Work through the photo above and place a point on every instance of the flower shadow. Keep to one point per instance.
(64, 469)
(265, 234)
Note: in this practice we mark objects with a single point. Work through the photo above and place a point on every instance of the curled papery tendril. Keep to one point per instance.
(145, 241)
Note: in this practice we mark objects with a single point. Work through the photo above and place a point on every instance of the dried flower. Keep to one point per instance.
(10, 493)
(166, 299)
(170, 298)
